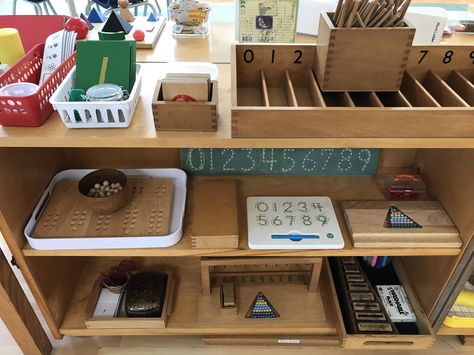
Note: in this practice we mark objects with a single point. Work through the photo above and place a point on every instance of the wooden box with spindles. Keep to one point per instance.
(361, 59)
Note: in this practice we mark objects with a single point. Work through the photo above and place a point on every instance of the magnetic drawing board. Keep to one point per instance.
(292, 222)
(289, 162)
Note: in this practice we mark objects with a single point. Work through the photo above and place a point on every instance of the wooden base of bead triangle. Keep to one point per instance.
(400, 224)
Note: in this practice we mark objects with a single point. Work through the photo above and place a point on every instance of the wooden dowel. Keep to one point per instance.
(384, 18)
(359, 20)
(265, 100)
(290, 91)
(336, 13)
(316, 94)
(377, 18)
(350, 20)
(342, 17)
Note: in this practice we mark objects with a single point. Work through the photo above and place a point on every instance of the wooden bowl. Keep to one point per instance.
(107, 204)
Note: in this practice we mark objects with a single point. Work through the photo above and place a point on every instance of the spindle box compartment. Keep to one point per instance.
(361, 59)
(275, 95)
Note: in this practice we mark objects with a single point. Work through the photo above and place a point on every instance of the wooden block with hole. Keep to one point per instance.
(183, 115)
(366, 224)
(214, 216)
(361, 59)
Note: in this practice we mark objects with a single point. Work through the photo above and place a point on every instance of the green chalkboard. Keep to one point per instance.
(292, 162)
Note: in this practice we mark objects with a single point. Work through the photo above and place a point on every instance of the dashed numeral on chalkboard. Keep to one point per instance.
(270, 160)
(250, 158)
(345, 163)
(472, 56)
(202, 159)
(328, 153)
(287, 157)
(299, 54)
(365, 159)
(448, 56)
(423, 52)
(248, 56)
(309, 163)
(226, 166)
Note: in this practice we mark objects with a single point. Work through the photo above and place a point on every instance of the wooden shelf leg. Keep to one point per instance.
(18, 315)
(314, 278)
(205, 280)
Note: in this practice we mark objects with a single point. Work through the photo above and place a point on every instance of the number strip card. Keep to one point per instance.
(305, 222)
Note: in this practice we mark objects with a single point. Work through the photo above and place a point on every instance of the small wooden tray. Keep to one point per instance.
(183, 115)
(365, 220)
(67, 216)
(124, 322)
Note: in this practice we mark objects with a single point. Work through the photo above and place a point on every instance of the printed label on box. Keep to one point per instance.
(396, 303)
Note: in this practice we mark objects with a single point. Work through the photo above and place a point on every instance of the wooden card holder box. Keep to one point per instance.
(123, 322)
(183, 115)
(275, 94)
(361, 59)
(425, 339)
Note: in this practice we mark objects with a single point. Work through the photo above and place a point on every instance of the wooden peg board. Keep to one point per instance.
(365, 220)
(67, 216)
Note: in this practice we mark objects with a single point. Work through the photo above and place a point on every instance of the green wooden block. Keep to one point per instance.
(99, 62)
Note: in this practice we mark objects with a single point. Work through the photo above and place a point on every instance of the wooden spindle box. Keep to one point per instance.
(361, 59)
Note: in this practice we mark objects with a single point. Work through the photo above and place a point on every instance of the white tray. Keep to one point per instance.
(59, 243)
(95, 114)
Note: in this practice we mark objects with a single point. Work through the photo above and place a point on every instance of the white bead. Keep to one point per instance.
(105, 183)
(97, 186)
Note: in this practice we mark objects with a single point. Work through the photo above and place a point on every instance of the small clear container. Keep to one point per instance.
(104, 92)
(404, 187)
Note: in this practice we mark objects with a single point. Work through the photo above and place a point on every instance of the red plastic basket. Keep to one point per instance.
(34, 109)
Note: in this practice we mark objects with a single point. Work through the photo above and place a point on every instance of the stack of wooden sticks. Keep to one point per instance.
(366, 13)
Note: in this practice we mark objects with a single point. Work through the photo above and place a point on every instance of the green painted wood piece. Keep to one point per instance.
(117, 57)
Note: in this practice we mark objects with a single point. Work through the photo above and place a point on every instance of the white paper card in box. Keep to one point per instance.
(292, 222)
(95, 114)
(176, 224)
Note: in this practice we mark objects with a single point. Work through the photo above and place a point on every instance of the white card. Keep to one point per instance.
(107, 304)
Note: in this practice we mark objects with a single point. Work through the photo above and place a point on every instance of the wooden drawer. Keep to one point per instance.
(363, 341)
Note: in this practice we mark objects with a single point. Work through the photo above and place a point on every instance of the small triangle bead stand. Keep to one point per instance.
(261, 308)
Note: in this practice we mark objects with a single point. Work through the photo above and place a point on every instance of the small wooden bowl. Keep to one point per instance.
(107, 204)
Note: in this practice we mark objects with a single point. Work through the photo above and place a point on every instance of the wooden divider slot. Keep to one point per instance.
(289, 91)
(463, 87)
(365, 99)
(338, 99)
(393, 99)
(264, 90)
(415, 93)
(441, 91)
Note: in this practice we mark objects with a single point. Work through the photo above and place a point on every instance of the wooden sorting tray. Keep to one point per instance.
(122, 321)
(275, 94)
(67, 215)
(424, 340)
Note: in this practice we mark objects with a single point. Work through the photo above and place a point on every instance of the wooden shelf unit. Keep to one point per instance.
(61, 280)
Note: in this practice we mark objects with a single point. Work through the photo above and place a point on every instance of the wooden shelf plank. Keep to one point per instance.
(339, 188)
(196, 314)
(445, 330)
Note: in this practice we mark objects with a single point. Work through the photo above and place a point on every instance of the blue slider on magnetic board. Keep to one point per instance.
(295, 237)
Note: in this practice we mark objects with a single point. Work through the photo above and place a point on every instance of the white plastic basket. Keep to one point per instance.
(119, 242)
(97, 114)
